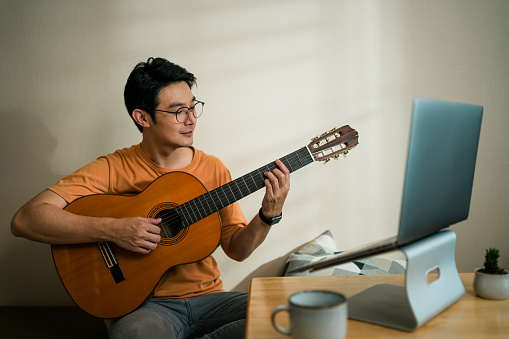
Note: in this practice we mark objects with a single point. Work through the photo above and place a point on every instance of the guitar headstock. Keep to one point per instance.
(333, 143)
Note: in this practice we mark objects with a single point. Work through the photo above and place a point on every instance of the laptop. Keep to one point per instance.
(442, 152)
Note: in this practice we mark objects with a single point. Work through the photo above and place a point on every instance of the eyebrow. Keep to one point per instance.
(178, 104)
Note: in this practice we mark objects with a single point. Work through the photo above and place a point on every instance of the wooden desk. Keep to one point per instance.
(470, 317)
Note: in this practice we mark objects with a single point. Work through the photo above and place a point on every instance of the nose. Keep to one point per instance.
(191, 120)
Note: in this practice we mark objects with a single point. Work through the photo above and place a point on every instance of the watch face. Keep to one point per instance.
(275, 220)
(270, 221)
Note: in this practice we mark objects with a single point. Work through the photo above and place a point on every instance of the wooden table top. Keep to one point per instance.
(470, 317)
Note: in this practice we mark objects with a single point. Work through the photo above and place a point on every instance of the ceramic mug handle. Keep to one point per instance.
(279, 328)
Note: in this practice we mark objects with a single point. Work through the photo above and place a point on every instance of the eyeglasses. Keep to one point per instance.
(182, 114)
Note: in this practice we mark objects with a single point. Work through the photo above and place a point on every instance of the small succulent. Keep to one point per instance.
(491, 262)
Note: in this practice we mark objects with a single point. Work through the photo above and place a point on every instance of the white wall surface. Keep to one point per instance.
(273, 74)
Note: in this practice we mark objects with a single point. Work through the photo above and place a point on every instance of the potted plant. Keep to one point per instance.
(491, 281)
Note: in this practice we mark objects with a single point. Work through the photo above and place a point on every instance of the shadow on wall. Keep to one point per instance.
(28, 271)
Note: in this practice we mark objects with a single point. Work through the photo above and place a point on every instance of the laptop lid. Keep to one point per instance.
(442, 152)
(441, 159)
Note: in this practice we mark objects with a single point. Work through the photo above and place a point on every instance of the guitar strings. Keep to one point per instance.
(173, 219)
(176, 218)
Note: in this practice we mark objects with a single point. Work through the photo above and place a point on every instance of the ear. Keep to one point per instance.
(142, 118)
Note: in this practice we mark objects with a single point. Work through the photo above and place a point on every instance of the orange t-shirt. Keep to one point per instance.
(129, 171)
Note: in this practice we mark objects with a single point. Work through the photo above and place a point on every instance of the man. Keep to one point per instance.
(189, 301)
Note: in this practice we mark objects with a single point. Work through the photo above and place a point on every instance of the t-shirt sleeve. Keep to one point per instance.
(90, 179)
(232, 217)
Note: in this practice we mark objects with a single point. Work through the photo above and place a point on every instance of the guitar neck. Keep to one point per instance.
(211, 202)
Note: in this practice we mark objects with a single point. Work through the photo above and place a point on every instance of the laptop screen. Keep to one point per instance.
(440, 167)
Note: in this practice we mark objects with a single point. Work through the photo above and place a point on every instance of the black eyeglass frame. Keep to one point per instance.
(189, 109)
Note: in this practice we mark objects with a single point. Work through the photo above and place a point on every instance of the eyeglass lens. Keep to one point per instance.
(183, 113)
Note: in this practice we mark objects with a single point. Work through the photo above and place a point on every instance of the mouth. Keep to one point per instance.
(187, 134)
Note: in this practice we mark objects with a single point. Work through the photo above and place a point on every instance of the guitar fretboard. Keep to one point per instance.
(211, 202)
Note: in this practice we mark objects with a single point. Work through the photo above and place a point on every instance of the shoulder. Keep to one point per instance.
(205, 158)
(123, 153)
(209, 169)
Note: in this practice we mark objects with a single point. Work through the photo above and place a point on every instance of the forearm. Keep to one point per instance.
(44, 219)
(247, 239)
(50, 224)
(243, 242)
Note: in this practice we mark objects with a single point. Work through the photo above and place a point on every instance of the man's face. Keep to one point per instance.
(166, 128)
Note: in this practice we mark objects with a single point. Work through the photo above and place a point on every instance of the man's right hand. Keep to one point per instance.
(44, 219)
(139, 235)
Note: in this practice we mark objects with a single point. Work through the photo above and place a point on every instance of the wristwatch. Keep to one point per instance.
(270, 221)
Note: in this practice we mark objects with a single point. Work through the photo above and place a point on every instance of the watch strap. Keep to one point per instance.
(270, 221)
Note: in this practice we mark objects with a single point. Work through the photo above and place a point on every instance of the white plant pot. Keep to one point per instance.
(491, 286)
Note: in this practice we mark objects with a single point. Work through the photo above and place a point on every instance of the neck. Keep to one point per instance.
(170, 158)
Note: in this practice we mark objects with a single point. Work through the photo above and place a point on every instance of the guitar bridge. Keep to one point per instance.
(111, 261)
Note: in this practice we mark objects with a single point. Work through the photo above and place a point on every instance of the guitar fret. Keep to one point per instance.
(206, 205)
(193, 209)
(183, 214)
(245, 184)
(226, 195)
(216, 199)
(238, 183)
(221, 198)
(298, 158)
(196, 210)
(288, 164)
(237, 192)
(260, 175)
(208, 197)
(252, 179)
(230, 186)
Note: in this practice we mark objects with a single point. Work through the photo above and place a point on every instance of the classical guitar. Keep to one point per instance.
(108, 281)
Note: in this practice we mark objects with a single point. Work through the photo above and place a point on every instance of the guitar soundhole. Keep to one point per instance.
(172, 231)
(171, 225)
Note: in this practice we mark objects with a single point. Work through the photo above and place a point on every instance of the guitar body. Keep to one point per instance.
(83, 268)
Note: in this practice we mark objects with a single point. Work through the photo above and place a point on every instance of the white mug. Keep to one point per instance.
(314, 314)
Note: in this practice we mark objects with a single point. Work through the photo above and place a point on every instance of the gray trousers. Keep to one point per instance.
(216, 315)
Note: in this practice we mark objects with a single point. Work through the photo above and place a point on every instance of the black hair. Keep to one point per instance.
(146, 81)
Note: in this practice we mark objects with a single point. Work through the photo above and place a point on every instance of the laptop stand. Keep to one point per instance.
(407, 308)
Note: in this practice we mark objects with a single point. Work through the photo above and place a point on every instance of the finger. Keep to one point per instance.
(149, 245)
(271, 186)
(279, 183)
(143, 250)
(285, 173)
(151, 225)
(271, 176)
(282, 167)
(153, 238)
(281, 177)
(154, 221)
(151, 229)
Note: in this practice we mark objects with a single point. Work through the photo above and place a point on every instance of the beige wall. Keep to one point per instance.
(273, 75)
